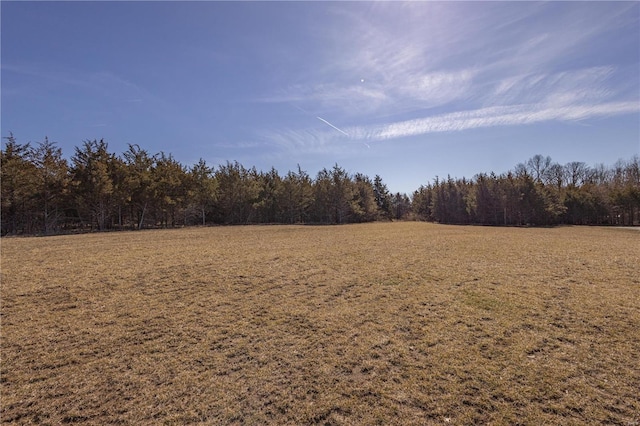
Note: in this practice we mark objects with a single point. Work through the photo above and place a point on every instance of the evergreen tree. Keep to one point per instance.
(203, 188)
(400, 206)
(363, 204)
(139, 183)
(238, 192)
(382, 198)
(268, 207)
(51, 180)
(91, 182)
(296, 197)
(341, 195)
(120, 198)
(422, 203)
(169, 188)
(18, 176)
(322, 210)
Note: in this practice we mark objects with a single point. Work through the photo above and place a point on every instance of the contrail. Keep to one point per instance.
(326, 122)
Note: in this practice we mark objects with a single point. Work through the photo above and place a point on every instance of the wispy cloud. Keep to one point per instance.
(521, 100)
(314, 140)
(237, 144)
(105, 83)
(436, 88)
(357, 98)
(309, 140)
(582, 85)
(489, 117)
(458, 69)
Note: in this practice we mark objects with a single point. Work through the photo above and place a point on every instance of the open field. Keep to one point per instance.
(384, 323)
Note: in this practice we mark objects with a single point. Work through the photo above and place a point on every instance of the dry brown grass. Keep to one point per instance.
(397, 323)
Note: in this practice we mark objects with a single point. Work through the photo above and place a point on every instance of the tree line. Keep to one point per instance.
(538, 192)
(44, 193)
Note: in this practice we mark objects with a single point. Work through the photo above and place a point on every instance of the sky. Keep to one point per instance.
(407, 91)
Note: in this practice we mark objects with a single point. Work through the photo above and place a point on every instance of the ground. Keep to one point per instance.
(385, 323)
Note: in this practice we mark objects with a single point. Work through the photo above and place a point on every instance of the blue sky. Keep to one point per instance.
(405, 90)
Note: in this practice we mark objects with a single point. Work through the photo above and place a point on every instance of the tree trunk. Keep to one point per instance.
(142, 216)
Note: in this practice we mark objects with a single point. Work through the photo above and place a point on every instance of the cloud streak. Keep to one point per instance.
(501, 116)
(326, 122)
(515, 115)
(490, 117)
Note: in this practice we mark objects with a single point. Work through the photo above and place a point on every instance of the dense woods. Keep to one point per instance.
(44, 193)
(538, 192)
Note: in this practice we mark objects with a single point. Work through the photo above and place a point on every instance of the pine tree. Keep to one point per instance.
(382, 198)
(18, 176)
(91, 182)
(139, 183)
(51, 180)
(203, 188)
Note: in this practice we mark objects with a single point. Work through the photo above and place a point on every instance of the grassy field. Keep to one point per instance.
(385, 323)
